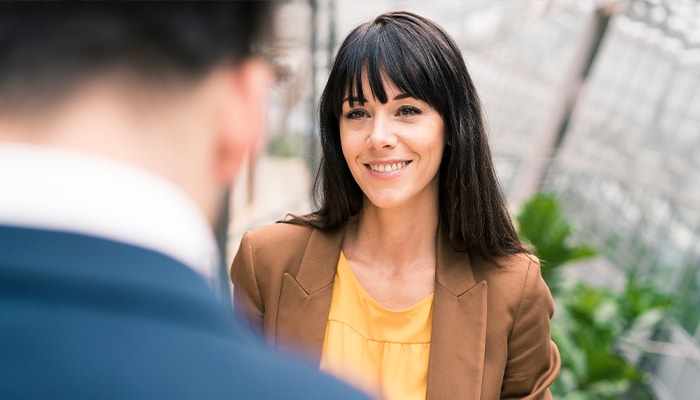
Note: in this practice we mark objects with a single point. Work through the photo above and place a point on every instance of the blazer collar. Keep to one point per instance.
(458, 341)
(458, 345)
(305, 299)
(320, 260)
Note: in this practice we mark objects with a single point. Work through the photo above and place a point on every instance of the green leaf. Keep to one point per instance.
(542, 224)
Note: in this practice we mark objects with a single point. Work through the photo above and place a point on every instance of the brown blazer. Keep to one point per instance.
(491, 325)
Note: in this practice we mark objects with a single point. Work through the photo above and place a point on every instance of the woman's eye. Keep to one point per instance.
(356, 114)
(408, 111)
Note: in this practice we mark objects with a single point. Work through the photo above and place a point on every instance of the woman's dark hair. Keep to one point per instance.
(422, 60)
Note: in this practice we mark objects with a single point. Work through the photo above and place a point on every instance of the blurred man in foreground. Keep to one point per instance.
(120, 126)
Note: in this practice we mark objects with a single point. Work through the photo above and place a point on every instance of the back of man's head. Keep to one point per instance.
(173, 87)
(48, 48)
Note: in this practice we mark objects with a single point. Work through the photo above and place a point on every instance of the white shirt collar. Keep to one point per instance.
(78, 192)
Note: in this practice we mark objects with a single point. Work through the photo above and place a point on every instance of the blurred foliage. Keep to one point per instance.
(285, 145)
(592, 326)
(688, 311)
(541, 223)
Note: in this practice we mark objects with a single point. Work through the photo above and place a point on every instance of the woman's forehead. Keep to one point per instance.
(388, 88)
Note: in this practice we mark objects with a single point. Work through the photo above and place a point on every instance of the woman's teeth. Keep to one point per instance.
(387, 167)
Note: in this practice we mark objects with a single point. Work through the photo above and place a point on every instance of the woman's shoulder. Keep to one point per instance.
(519, 261)
(512, 263)
(282, 230)
(511, 269)
(514, 279)
(275, 237)
(282, 245)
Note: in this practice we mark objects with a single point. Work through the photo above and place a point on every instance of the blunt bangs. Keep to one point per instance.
(384, 50)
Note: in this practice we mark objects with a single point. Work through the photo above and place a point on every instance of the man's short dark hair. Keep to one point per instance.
(46, 48)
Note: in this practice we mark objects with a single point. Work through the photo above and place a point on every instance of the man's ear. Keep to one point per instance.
(242, 114)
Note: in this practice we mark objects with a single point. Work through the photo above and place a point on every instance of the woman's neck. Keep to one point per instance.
(395, 238)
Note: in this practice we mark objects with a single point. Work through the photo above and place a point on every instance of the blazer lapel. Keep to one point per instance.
(458, 344)
(305, 299)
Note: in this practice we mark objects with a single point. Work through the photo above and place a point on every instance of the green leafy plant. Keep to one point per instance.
(586, 330)
(644, 306)
(595, 329)
(542, 224)
(592, 327)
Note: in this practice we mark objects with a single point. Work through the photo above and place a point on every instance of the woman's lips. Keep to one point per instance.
(388, 167)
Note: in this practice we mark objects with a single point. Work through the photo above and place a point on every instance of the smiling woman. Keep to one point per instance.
(410, 261)
(393, 149)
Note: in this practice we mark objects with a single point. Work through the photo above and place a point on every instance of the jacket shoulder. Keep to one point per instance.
(282, 232)
(509, 267)
(278, 239)
(280, 244)
(512, 277)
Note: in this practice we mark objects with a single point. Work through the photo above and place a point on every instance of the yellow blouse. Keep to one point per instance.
(382, 351)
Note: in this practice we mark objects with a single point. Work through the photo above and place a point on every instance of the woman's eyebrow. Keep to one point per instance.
(355, 99)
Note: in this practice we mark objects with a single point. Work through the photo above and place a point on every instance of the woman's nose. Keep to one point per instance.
(382, 135)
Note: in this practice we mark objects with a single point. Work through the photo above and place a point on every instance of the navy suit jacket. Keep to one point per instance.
(88, 318)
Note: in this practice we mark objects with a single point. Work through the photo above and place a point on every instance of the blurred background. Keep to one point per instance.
(593, 110)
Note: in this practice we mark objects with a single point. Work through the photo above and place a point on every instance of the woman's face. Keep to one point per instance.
(393, 150)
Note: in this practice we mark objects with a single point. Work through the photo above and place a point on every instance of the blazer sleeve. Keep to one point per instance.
(247, 300)
(533, 358)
